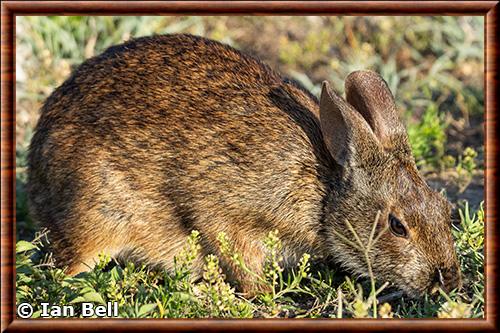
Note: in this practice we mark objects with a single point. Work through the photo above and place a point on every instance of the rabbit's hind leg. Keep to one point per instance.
(161, 247)
(88, 257)
(81, 254)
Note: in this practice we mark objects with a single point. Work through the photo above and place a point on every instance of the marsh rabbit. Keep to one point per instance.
(163, 135)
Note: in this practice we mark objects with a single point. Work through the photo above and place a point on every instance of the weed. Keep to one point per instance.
(428, 138)
(466, 166)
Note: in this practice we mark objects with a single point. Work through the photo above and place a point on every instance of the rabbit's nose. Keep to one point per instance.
(447, 279)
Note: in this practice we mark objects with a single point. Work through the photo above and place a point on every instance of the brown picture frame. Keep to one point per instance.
(11, 9)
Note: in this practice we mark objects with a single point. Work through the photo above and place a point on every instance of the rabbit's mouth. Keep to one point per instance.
(415, 288)
(438, 280)
(445, 279)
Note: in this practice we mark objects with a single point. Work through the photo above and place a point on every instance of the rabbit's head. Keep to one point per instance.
(381, 196)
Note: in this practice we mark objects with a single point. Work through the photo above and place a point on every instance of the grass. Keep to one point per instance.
(306, 291)
(434, 67)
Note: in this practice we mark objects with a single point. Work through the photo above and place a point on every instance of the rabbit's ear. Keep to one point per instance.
(369, 94)
(346, 134)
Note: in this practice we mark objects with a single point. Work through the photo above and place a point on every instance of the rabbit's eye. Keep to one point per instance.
(397, 227)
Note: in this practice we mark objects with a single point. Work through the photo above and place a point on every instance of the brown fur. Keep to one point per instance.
(163, 135)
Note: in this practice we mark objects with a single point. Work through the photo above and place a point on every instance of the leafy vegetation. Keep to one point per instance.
(434, 67)
(428, 138)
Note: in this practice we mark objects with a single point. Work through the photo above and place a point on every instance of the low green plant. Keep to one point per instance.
(453, 308)
(469, 237)
(272, 277)
(139, 292)
(428, 138)
(467, 162)
(466, 166)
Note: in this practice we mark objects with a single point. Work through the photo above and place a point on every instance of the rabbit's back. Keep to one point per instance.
(163, 135)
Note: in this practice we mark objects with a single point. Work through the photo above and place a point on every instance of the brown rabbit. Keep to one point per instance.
(163, 135)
